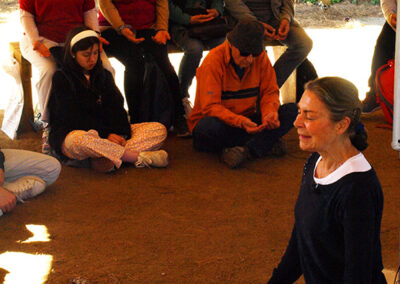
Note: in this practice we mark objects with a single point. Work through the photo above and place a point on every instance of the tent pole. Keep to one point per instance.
(396, 106)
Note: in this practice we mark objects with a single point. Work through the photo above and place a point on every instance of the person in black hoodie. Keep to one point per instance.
(87, 113)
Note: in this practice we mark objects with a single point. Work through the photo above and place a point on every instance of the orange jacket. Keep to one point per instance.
(220, 93)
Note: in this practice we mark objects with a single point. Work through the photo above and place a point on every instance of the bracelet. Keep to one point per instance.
(123, 27)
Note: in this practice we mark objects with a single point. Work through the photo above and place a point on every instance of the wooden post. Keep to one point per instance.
(288, 90)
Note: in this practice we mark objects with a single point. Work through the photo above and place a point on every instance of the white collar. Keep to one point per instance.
(357, 163)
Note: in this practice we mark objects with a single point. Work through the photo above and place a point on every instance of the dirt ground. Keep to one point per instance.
(339, 15)
(193, 222)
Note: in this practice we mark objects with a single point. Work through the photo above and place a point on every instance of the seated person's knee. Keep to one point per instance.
(54, 168)
(195, 49)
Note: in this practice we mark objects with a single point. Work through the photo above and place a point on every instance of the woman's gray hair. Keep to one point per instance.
(340, 96)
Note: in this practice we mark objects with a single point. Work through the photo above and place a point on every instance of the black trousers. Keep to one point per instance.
(212, 134)
(384, 51)
(131, 56)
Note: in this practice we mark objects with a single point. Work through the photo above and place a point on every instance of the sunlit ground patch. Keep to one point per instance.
(25, 267)
(39, 232)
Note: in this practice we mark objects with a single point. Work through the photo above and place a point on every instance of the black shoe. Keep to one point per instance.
(234, 157)
(370, 104)
(279, 149)
(181, 127)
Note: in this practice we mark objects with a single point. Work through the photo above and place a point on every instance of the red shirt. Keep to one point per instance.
(55, 18)
(140, 14)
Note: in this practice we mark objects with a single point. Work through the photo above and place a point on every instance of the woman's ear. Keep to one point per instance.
(342, 125)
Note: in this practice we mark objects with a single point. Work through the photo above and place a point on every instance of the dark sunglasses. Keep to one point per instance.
(247, 54)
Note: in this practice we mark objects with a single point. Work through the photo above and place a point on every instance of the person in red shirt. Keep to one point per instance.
(135, 27)
(46, 24)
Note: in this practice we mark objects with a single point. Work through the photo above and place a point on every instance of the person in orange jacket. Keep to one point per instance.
(237, 109)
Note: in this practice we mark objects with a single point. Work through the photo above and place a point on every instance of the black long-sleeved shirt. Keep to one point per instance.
(75, 106)
(336, 235)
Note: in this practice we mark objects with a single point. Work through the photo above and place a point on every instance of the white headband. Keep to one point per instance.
(82, 35)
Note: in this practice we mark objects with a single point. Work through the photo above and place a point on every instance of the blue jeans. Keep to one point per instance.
(299, 46)
(193, 52)
(212, 135)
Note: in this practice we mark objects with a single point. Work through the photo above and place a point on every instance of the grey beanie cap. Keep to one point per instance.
(248, 36)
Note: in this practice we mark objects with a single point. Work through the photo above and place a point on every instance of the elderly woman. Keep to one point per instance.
(336, 235)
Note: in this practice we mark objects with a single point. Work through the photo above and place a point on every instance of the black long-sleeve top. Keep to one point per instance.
(76, 105)
(336, 235)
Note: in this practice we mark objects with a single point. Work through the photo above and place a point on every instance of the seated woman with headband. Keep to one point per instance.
(45, 25)
(88, 117)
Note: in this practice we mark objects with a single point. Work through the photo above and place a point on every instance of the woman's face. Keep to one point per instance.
(317, 132)
(87, 59)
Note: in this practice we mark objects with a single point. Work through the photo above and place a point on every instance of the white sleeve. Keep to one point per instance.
(90, 19)
(389, 7)
(29, 25)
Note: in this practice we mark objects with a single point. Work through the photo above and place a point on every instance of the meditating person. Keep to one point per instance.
(134, 28)
(24, 175)
(193, 47)
(336, 234)
(237, 111)
(45, 25)
(88, 117)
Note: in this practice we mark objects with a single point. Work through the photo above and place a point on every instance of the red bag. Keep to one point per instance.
(385, 89)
